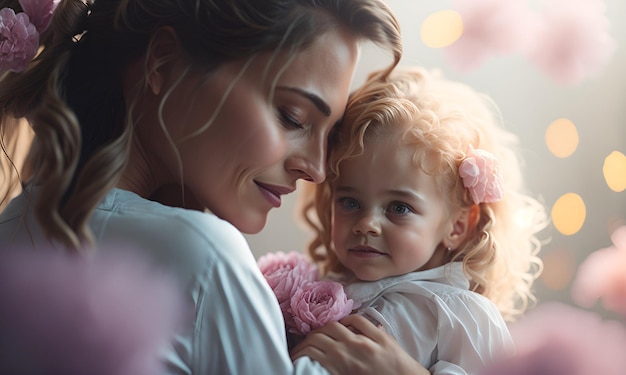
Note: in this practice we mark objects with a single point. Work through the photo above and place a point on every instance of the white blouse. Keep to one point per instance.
(236, 326)
(436, 318)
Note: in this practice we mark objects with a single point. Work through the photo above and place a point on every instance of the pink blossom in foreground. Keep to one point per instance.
(490, 28)
(77, 315)
(19, 40)
(285, 272)
(316, 304)
(482, 176)
(603, 276)
(39, 11)
(571, 40)
(557, 339)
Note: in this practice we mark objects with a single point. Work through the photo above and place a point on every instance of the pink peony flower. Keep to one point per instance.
(39, 12)
(285, 272)
(572, 40)
(77, 315)
(306, 302)
(557, 339)
(603, 276)
(19, 40)
(490, 27)
(481, 175)
(316, 304)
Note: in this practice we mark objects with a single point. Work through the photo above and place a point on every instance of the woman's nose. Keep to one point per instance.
(367, 225)
(309, 163)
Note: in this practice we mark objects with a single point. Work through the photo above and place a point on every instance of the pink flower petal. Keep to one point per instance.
(84, 315)
(19, 41)
(318, 303)
(603, 276)
(285, 272)
(557, 339)
(39, 11)
(490, 28)
(572, 40)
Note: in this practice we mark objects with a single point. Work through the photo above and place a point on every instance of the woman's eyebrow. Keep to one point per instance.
(319, 103)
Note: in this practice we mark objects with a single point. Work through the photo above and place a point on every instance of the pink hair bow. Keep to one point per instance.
(481, 175)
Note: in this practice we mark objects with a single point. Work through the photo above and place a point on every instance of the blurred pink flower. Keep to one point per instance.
(490, 27)
(603, 276)
(19, 40)
(285, 272)
(306, 302)
(318, 303)
(71, 315)
(39, 12)
(481, 175)
(557, 339)
(571, 40)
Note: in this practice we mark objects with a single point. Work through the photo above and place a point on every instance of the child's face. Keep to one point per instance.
(389, 218)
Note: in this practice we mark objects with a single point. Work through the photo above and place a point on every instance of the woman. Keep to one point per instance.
(230, 102)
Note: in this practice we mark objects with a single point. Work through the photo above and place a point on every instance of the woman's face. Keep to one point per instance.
(260, 141)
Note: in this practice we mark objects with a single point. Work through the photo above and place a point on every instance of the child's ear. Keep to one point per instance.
(163, 50)
(462, 222)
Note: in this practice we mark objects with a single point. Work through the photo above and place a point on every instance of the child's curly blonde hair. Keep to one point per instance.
(445, 120)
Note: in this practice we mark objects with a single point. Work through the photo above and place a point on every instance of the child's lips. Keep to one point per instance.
(366, 251)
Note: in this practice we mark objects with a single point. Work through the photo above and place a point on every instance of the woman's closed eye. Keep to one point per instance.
(289, 120)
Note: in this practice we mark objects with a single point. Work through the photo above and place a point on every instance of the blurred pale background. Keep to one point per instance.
(573, 140)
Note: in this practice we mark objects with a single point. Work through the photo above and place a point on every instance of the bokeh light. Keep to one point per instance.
(614, 171)
(442, 28)
(562, 138)
(568, 213)
(559, 267)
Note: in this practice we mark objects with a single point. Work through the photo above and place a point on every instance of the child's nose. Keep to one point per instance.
(367, 225)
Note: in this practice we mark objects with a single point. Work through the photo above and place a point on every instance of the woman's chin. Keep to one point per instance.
(251, 224)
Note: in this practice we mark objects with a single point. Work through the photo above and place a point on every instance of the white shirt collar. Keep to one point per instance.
(449, 274)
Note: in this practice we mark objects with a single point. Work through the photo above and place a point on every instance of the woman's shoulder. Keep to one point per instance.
(148, 217)
(187, 239)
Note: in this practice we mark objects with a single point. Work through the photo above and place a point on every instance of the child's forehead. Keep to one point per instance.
(388, 149)
(393, 132)
(403, 136)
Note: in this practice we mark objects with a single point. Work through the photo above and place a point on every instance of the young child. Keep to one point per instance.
(424, 219)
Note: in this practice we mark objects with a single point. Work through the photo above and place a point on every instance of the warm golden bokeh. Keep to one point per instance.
(614, 171)
(568, 213)
(442, 28)
(562, 138)
(559, 268)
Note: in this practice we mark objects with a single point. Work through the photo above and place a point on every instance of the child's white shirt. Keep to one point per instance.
(436, 318)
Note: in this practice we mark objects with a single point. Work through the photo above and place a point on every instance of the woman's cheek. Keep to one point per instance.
(268, 144)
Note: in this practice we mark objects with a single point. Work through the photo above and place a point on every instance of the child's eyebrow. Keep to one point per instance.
(406, 194)
(345, 189)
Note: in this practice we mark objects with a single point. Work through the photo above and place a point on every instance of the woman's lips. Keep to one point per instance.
(272, 193)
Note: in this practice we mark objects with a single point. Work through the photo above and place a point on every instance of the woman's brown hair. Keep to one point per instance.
(72, 92)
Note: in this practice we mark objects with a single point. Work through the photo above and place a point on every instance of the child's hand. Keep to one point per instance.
(356, 345)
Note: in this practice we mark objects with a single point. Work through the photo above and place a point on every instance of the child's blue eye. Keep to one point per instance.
(398, 208)
(349, 203)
